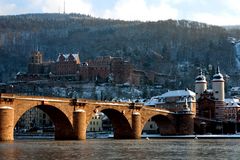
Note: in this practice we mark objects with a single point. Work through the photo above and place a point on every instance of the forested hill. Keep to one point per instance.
(163, 46)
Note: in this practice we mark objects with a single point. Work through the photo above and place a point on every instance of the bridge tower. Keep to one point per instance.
(218, 93)
(185, 120)
(200, 85)
(218, 86)
(6, 123)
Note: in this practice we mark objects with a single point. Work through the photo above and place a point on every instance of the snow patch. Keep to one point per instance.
(79, 110)
(6, 107)
(237, 49)
(136, 113)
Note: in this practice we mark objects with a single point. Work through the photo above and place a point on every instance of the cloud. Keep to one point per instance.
(140, 10)
(233, 5)
(7, 8)
(217, 12)
(223, 19)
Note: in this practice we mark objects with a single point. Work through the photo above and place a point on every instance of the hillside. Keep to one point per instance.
(170, 47)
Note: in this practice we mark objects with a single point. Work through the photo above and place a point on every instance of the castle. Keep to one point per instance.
(106, 69)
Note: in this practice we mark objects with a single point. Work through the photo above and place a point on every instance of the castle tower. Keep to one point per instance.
(200, 84)
(218, 86)
(35, 64)
(36, 58)
(219, 94)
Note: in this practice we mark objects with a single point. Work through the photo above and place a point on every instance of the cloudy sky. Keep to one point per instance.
(217, 12)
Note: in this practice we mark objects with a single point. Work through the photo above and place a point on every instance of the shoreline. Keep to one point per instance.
(145, 136)
(224, 136)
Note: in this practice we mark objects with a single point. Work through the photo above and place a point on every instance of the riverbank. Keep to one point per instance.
(230, 136)
(34, 136)
(145, 136)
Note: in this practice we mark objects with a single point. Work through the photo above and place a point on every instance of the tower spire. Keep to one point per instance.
(218, 69)
(200, 72)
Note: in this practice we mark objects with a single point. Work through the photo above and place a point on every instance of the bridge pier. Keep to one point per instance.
(185, 123)
(136, 125)
(79, 124)
(6, 123)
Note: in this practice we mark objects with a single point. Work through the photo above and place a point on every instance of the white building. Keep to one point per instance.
(95, 125)
(174, 100)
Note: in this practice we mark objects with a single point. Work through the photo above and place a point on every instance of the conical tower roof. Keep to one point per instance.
(218, 76)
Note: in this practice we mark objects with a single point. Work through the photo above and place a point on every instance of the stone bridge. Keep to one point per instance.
(72, 116)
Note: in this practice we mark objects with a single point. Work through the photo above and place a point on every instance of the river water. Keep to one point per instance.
(94, 149)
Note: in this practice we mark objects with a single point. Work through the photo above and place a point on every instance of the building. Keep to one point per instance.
(174, 101)
(150, 127)
(104, 69)
(109, 69)
(95, 124)
(235, 91)
(214, 112)
(177, 101)
(232, 110)
(66, 64)
(206, 105)
(210, 103)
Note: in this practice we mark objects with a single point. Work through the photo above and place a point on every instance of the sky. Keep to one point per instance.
(216, 12)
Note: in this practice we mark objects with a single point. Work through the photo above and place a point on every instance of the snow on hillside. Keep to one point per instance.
(237, 47)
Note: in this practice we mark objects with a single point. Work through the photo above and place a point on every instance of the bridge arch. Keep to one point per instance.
(62, 123)
(120, 122)
(165, 123)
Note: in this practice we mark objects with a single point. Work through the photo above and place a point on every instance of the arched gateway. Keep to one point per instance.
(71, 116)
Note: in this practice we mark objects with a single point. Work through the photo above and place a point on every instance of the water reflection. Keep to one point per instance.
(120, 149)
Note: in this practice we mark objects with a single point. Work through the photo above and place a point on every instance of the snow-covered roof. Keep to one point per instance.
(235, 89)
(152, 102)
(200, 78)
(228, 100)
(232, 102)
(178, 93)
(66, 56)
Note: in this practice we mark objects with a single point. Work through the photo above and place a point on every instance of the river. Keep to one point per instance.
(99, 149)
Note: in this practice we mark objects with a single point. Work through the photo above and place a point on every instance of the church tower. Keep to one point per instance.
(200, 85)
